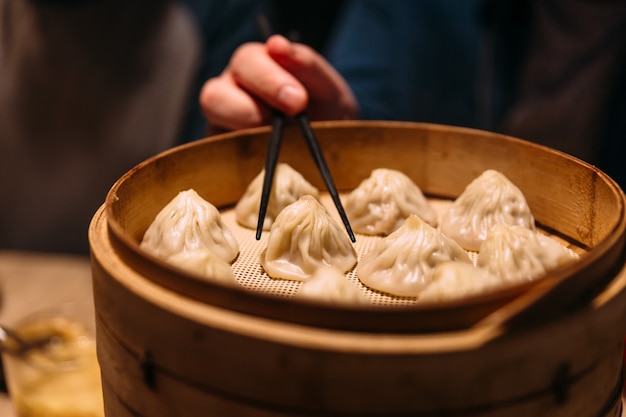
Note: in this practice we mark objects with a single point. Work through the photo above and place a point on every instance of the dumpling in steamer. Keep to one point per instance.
(329, 284)
(453, 280)
(304, 238)
(382, 202)
(516, 254)
(288, 186)
(205, 263)
(189, 223)
(489, 199)
(403, 263)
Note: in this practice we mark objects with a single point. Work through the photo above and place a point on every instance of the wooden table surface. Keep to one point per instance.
(30, 281)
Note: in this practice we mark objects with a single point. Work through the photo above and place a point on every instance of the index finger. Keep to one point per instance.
(258, 73)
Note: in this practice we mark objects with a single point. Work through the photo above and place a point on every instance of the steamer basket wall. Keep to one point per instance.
(171, 344)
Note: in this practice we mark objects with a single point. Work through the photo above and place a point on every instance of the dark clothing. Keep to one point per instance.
(222, 26)
(549, 71)
(566, 89)
(410, 60)
(88, 89)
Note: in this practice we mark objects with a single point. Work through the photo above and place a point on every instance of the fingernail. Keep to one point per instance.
(291, 97)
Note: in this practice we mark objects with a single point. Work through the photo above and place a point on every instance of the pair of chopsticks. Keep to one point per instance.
(271, 160)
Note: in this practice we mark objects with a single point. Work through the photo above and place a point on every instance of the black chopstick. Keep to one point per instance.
(318, 157)
(271, 159)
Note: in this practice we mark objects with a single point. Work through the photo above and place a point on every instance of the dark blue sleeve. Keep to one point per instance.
(410, 59)
(222, 26)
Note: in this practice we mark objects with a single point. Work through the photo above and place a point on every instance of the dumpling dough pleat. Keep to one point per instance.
(205, 263)
(188, 223)
(288, 186)
(489, 199)
(402, 263)
(303, 238)
(515, 254)
(382, 202)
(453, 280)
(329, 284)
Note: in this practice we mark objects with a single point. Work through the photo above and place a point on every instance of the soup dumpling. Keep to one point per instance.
(382, 202)
(453, 280)
(205, 263)
(303, 238)
(288, 186)
(189, 223)
(329, 284)
(403, 263)
(515, 254)
(489, 199)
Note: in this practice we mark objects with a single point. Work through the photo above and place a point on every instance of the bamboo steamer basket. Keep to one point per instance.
(173, 344)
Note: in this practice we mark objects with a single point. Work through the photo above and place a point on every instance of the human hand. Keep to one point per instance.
(281, 75)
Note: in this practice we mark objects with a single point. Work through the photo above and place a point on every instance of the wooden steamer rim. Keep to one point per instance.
(567, 196)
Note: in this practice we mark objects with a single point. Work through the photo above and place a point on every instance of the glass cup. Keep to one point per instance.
(62, 376)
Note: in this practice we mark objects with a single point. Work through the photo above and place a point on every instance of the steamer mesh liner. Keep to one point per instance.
(251, 275)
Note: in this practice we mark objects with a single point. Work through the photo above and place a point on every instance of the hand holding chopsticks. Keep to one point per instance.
(274, 149)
